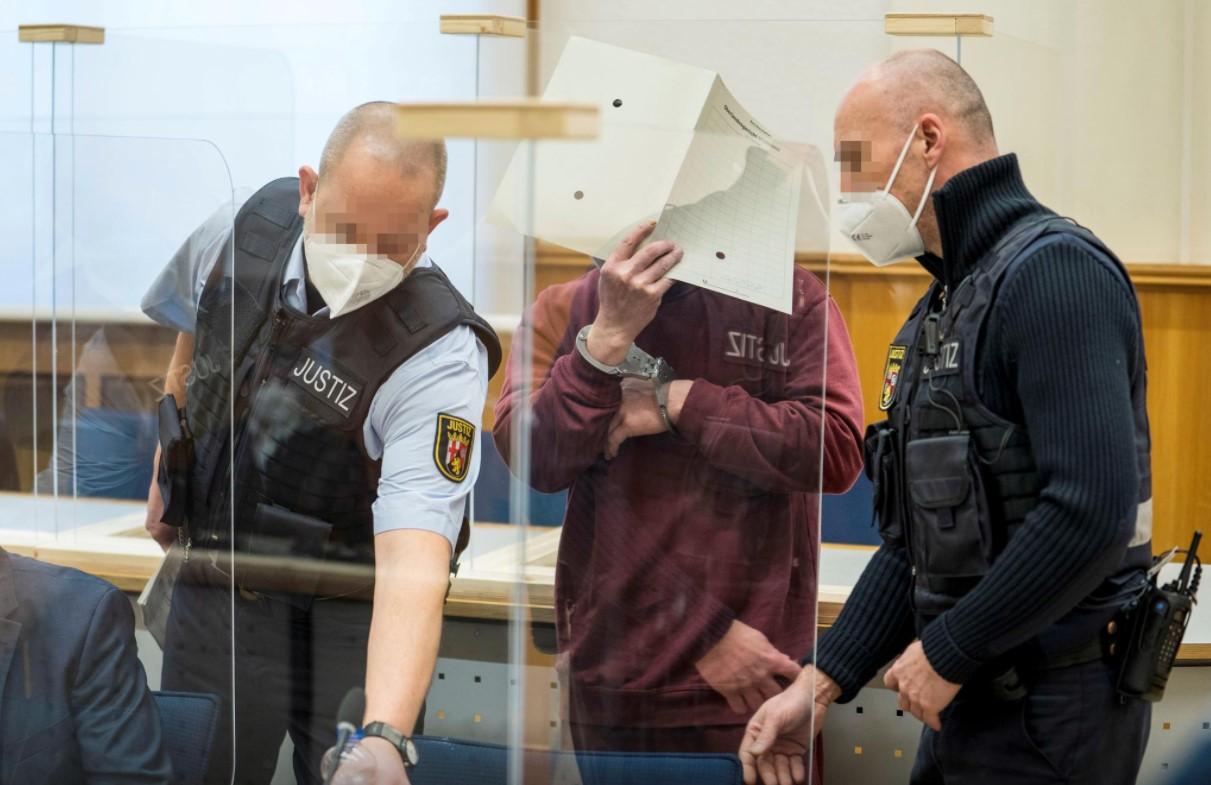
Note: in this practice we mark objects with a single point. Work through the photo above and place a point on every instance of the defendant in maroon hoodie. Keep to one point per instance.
(686, 580)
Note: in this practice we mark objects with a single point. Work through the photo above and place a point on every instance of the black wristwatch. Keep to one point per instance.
(407, 750)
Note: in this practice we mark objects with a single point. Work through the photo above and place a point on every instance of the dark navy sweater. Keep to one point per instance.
(1056, 357)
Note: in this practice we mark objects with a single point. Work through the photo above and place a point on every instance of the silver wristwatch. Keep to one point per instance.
(637, 364)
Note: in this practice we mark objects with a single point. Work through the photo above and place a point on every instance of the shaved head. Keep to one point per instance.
(922, 104)
(917, 81)
(371, 128)
(374, 189)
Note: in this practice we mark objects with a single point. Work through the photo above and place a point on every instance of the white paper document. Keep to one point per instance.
(677, 147)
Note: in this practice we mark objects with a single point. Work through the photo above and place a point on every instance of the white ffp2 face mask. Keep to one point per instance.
(879, 224)
(348, 277)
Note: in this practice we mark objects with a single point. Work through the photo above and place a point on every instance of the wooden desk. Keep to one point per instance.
(501, 578)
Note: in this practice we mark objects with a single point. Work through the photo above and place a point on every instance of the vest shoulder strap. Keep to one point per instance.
(427, 302)
(1032, 235)
(266, 229)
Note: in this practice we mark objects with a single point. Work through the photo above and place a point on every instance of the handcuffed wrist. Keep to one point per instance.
(605, 345)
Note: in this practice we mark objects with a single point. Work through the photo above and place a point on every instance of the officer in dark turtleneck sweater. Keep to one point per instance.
(1012, 474)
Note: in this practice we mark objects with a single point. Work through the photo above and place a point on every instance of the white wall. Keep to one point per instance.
(1108, 103)
(262, 82)
(787, 62)
(1095, 96)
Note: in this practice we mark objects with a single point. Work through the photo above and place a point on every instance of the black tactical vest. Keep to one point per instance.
(953, 479)
(294, 391)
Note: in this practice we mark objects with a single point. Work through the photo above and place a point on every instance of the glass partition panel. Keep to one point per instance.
(84, 371)
(648, 551)
(657, 465)
(18, 435)
(359, 386)
(102, 271)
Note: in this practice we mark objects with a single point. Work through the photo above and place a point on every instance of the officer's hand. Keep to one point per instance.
(386, 765)
(629, 290)
(923, 693)
(779, 735)
(162, 533)
(742, 665)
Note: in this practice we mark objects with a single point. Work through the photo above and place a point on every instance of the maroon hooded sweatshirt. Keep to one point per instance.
(667, 544)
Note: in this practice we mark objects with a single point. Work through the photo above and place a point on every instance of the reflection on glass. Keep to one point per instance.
(685, 421)
(334, 393)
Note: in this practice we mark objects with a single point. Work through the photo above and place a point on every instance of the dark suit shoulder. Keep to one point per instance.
(64, 599)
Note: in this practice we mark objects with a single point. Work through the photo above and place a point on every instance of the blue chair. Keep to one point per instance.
(448, 762)
(847, 518)
(188, 721)
(492, 491)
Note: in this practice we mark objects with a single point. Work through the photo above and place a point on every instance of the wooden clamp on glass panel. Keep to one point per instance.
(938, 24)
(514, 119)
(483, 24)
(60, 34)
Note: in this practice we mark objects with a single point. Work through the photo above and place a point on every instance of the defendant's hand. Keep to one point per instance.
(742, 666)
(629, 289)
(779, 735)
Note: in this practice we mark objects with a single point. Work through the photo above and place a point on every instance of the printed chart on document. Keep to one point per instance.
(675, 146)
(734, 206)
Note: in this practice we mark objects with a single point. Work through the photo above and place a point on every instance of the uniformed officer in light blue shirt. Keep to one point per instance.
(354, 265)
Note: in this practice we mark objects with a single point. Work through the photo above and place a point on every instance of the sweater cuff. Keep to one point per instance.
(702, 399)
(596, 387)
(711, 630)
(944, 655)
(844, 660)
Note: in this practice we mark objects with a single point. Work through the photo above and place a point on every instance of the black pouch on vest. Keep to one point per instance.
(284, 554)
(879, 448)
(176, 461)
(951, 530)
(283, 532)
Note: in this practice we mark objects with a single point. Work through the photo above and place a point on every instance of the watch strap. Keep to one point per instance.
(662, 403)
(407, 750)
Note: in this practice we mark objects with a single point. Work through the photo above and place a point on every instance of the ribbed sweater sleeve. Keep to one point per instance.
(874, 626)
(1061, 345)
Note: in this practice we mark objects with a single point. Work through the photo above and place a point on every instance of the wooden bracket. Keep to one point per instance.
(60, 34)
(938, 24)
(513, 119)
(483, 24)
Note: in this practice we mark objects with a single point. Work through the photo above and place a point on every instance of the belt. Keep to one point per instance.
(1092, 651)
(1012, 683)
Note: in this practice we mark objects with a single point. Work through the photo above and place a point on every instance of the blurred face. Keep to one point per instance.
(374, 207)
(867, 143)
(869, 138)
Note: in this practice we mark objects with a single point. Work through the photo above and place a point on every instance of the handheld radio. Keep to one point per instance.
(1155, 625)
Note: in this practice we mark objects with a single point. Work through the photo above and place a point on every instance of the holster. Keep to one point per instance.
(176, 461)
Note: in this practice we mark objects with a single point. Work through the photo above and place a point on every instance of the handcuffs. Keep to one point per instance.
(638, 364)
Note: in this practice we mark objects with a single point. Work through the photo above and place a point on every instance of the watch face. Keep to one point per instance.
(411, 755)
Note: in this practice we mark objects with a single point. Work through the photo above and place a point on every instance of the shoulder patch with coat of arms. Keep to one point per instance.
(891, 375)
(452, 446)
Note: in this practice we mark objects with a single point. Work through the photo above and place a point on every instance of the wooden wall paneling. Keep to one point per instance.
(1176, 305)
(1177, 330)
(1175, 301)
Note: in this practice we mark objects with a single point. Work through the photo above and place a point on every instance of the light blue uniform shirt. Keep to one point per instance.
(449, 376)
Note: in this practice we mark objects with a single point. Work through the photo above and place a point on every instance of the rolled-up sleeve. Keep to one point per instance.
(409, 426)
(172, 299)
